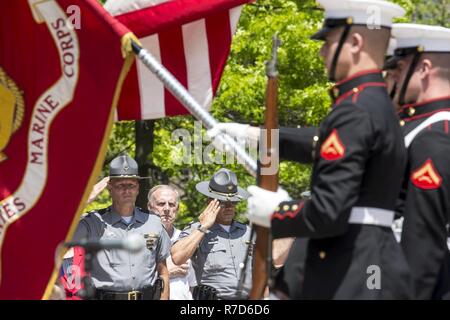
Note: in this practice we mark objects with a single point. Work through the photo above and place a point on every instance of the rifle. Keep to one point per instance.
(262, 265)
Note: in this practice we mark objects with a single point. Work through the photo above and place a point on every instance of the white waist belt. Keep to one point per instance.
(373, 216)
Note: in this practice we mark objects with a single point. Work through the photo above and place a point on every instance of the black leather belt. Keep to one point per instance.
(144, 294)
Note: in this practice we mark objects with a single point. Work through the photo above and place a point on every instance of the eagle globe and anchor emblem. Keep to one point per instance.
(12, 110)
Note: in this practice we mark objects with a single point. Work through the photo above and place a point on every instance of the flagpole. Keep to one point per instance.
(185, 98)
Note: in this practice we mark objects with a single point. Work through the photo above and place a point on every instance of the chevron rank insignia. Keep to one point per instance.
(426, 177)
(332, 148)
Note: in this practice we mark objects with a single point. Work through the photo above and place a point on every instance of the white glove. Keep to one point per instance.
(262, 204)
(233, 129)
(242, 132)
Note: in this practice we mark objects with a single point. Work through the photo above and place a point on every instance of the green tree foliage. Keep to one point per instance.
(433, 12)
(303, 98)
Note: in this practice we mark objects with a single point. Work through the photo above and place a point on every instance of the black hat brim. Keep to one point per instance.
(125, 177)
(321, 34)
(203, 187)
(391, 62)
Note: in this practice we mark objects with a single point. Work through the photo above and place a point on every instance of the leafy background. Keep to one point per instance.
(303, 97)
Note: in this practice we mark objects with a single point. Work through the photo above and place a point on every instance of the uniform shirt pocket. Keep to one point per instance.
(216, 255)
(113, 256)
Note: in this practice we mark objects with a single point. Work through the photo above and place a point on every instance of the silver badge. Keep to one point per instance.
(150, 240)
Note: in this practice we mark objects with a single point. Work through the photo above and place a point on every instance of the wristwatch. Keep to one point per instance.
(202, 229)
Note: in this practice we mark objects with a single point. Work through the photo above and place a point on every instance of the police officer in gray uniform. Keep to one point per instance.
(119, 274)
(217, 244)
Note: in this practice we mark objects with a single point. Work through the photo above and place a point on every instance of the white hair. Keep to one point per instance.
(162, 186)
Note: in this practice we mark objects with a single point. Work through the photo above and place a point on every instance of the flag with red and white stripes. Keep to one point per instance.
(191, 38)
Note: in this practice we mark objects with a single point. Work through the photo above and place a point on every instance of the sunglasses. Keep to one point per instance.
(224, 204)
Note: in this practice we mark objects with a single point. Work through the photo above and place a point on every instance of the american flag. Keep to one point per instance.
(191, 38)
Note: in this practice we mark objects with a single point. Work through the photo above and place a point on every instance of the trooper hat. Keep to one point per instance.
(223, 186)
(123, 166)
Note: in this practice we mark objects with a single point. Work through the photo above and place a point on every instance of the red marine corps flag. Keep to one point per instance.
(59, 84)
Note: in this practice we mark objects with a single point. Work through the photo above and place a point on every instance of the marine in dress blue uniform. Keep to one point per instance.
(423, 55)
(349, 216)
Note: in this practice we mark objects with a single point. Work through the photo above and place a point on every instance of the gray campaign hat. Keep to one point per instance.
(123, 166)
(223, 186)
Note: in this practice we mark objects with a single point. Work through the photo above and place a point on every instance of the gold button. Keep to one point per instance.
(285, 207)
(294, 207)
(355, 90)
(402, 123)
(411, 111)
(322, 254)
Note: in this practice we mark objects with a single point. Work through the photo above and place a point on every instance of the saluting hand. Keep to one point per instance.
(98, 188)
(208, 216)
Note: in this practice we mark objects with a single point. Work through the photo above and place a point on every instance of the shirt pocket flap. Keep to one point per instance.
(218, 247)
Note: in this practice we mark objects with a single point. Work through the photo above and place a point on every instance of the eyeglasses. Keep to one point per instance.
(123, 186)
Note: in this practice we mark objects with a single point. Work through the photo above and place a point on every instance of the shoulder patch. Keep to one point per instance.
(332, 148)
(426, 176)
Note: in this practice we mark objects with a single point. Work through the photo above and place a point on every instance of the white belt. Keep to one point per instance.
(372, 216)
